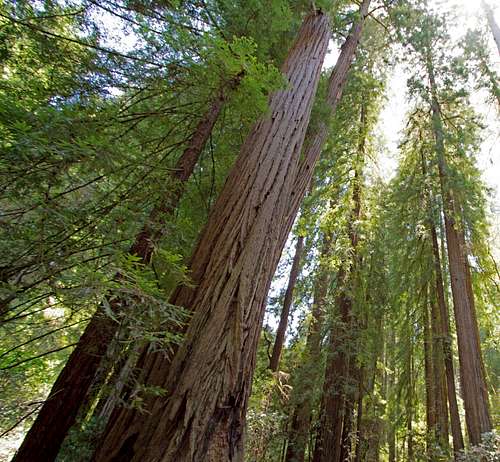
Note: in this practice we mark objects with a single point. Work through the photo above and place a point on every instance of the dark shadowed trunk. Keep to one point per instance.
(287, 303)
(359, 417)
(207, 383)
(73, 384)
(409, 406)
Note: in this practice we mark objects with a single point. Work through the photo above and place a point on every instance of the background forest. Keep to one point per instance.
(249, 230)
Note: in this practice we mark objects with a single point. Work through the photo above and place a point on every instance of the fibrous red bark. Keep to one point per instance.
(207, 384)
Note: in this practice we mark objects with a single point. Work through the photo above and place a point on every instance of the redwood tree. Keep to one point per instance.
(207, 383)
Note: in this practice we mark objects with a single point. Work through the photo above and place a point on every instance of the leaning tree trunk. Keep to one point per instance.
(495, 30)
(314, 144)
(72, 387)
(207, 383)
(315, 140)
(475, 393)
(287, 303)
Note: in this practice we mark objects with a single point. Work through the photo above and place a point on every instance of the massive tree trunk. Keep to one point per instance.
(472, 376)
(307, 373)
(73, 384)
(287, 303)
(207, 383)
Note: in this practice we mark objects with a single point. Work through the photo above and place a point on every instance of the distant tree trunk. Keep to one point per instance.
(439, 379)
(495, 30)
(359, 417)
(307, 372)
(207, 383)
(287, 303)
(456, 426)
(473, 381)
(409, 406)
(430, 388)
(346, 441)
(329, 441)
(389, 384)
(444, 331)
(73, 384)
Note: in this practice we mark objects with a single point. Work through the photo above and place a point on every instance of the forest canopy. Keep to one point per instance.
(249, 230)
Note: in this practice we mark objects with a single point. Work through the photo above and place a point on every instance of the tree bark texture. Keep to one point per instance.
(73, 384)
(316, 140)
(472, 376)
(207, 383)
(287, 303)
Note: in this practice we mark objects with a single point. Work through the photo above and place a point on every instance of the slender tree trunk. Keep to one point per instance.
(430, 387)
(439, 379)
(473, 381)
(287, 303)
(346, 441)
(444, 331)
(409, 407)
(73, 384)
(495, 30)
(329, 441)
(202, 415)
(359, 417)
(307, 373)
